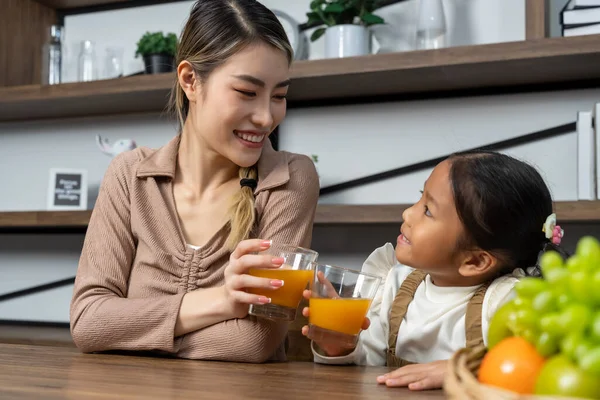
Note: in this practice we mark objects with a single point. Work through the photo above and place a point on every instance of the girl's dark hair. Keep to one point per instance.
(503, 204)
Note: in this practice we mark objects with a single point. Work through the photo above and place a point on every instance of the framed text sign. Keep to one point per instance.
(67, 189)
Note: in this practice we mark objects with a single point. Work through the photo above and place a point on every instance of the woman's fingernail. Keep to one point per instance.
(276, 283)
(277, 261)
(265, 244)
(264, 300)
(380, 378)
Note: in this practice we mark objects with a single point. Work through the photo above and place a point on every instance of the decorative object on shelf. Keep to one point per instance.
(158, 51)
(67, 189)
(296, 36)
(87, 68)
(315, 159)
(114, 62)
(347, 26)
(431, 25)
(52, 57)
(117, 147)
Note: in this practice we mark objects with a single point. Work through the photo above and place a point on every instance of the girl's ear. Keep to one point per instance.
(477, 263)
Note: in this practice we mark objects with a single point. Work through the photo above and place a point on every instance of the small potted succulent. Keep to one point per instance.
(346, 24)
(158, 52)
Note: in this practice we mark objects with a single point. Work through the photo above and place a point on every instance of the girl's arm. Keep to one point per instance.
(373, 342)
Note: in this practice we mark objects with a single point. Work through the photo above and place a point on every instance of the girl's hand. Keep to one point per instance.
(417, 376)
(329, 347)
(237, 279)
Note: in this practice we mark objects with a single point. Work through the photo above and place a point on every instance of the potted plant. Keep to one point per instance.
(346, 25)
(158, 51)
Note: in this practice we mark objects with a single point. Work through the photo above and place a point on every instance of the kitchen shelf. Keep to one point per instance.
(537, 64)
(44, 219)
(568, 211)
(67, 4)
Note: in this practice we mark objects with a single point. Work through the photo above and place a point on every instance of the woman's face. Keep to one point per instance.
(235, 110)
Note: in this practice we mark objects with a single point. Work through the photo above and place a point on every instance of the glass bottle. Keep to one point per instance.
(431, 25)
(52, 57)
(87, 67)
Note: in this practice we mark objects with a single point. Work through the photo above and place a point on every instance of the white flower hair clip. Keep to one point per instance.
(553, 232)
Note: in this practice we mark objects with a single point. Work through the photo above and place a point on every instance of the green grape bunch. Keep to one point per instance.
(558, 313)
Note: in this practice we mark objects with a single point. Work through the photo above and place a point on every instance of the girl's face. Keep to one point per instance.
(235, 110)
(432, 228)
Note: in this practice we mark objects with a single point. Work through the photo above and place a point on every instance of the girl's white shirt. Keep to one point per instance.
(434, 325)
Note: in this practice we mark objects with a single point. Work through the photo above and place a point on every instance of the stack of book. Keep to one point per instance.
(588, 154)
(580, 17)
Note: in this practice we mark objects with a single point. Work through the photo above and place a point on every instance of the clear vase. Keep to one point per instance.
(113, 67)
(87, 68)
(431, 25)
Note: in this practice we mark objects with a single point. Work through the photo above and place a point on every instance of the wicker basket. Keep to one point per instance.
(461, 382)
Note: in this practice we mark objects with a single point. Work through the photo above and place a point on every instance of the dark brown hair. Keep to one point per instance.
(503, 204)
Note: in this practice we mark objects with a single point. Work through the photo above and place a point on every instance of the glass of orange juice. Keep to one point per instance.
(339, 302)
(296, 273)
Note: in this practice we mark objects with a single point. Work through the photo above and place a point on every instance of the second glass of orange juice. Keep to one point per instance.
(340, 300)
(296, 273)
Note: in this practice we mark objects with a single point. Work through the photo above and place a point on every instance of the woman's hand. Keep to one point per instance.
(417, 376)
(237, 280)
(204, 307)
(328, 347)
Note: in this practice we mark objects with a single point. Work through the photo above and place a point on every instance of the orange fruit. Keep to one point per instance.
(512, 364)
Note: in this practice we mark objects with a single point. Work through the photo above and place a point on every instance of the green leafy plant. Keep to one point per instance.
(340, 12)
(156, 43)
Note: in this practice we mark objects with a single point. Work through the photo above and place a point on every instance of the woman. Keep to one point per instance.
(165, 260)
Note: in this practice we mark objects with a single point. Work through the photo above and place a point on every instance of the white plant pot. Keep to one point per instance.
(347, 41)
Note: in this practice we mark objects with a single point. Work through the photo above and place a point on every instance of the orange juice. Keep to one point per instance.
(294, 282)
(340, 315)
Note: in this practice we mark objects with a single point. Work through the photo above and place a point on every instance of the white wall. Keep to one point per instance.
(555, 7)
(31, 260)
(351, 141)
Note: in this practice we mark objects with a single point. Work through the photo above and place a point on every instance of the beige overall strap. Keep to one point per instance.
(473, 328)
(397, 312)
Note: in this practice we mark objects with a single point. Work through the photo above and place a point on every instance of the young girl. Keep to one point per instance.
(481, 216)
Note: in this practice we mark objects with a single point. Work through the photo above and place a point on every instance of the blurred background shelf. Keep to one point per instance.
(568, 211)
(536, 64)
(67, 4)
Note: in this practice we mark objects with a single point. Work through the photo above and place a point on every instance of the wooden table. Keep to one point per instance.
(45, 372)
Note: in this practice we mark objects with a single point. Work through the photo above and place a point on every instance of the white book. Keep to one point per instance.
(576, 16)
(582, 30)
(597, 153)
(586, 160)
(585, 3)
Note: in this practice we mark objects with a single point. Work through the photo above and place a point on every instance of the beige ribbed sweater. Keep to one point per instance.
(135, 266)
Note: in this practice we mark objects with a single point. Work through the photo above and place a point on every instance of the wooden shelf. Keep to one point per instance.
(524, 65)
(66, 4)
(44, 219)
(141, 93)
(569, 211)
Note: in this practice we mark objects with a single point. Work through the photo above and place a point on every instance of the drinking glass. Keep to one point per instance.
(296, 273)
(339, 302)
